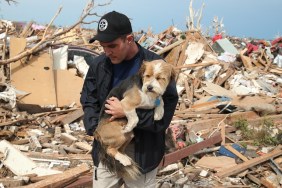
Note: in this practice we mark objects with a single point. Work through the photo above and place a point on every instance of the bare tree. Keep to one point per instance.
(11, 1)
(51, 39)
(190, 23)
(218, 26)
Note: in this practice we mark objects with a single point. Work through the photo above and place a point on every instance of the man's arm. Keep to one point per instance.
(90, 103)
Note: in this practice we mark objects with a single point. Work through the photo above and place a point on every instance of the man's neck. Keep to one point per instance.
(132, 51)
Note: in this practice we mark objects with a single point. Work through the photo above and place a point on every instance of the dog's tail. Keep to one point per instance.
(114, 166)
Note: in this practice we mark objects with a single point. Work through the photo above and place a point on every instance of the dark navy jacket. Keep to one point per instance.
(149, 134)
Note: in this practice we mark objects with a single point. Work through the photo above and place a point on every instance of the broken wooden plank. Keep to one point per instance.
(267, 183)
(222, 78)
(20, 141)
(253, 179)
(250, 163)
(250, 115)
(55, 112)
(11, 182)
(6, 133)
(83, 145)
(182, 55)
(185, 152)
(197, 65)
(169, 47)
(69, 118)
(182, 153)
(68, 138)
(222, 132)
(246, 60)
(35, 179)
(63, 179)
(203, 124)
(268, 64)
(26, 29)
(257, 63)
(216, 163)
(83, 181)
(173, 56)
(55, 156)
(18, 121)
(190, 111)
(235, 152)
(208, 105)
(72, 149)
(189, 92)
(200, 115)
(216, 90)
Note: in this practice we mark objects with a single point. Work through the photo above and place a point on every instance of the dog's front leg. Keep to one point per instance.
(129, 136)
(122, 158)
(132, 120)
(159, 110)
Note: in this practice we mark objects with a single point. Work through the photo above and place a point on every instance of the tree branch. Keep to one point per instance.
(11, 1)
(48, 39)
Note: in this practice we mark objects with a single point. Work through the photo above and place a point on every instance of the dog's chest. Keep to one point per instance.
(147, 102)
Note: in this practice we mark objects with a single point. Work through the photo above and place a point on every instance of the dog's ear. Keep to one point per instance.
(173, 72)
(142, 69)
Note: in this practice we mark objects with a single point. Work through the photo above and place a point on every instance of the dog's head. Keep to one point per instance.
(156, 76)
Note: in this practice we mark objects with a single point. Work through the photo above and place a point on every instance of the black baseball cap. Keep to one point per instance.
(111, 26)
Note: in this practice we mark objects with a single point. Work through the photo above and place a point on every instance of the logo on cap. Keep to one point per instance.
(103, 25)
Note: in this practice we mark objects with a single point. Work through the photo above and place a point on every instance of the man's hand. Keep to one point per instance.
(114, 108)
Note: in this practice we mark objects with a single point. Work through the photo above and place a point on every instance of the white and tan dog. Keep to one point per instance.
(143, 90)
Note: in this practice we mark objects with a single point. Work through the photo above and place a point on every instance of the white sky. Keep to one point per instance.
(242, 18)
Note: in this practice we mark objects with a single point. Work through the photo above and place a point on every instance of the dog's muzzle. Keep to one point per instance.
(150, 88)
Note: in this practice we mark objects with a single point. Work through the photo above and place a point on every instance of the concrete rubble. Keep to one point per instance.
(226, 130)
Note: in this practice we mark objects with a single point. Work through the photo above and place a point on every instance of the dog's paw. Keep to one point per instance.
(126, 130)
(123, 159)
(158, 114)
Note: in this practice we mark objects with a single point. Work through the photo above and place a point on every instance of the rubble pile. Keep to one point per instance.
(228, 121)
(226, 130)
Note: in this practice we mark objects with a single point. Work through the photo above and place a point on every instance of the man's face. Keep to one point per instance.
(116, 50)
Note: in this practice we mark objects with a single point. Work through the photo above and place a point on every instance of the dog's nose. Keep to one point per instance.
(150, 88)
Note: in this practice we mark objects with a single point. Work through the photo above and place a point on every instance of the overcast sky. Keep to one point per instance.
(242, 18)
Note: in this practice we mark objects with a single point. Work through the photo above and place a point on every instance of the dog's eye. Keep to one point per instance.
(159, 78)
(147, 76)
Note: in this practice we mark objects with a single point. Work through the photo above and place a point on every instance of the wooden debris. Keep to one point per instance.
(249, 163)
(10, 182)
(84, 146)
(169, 47)
(62, 179)
(72, 116)
(67, 138)
(218, 164)
(35, 144)
(237, 153)
(18, 163)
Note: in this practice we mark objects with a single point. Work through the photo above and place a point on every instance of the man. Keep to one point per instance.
(122, 58)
